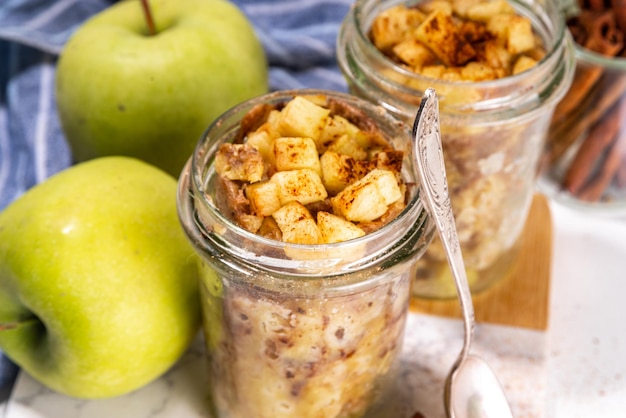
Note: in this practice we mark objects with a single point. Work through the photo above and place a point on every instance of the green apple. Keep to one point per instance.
(123, 91)
(98, 284)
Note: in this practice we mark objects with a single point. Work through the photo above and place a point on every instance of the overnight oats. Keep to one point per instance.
(305, 210)
(498, 68)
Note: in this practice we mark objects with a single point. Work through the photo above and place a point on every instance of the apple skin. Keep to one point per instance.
(98, 283)
(120, 91)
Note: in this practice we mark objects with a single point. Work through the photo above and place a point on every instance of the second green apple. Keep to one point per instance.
(122, 91)
(98, 283)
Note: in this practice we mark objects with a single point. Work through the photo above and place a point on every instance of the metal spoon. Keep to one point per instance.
(472, 389)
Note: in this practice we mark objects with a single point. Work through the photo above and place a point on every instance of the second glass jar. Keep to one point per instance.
(493, 133)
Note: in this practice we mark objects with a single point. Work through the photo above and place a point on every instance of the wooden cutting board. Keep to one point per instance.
(522, 298)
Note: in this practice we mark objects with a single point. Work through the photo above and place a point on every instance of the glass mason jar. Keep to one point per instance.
(493, 133)
(295, 330)
(585, 161)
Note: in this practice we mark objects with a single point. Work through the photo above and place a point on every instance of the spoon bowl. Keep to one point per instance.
(472, 389)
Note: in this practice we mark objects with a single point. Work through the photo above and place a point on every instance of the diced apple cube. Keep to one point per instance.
(513, 31)
(263, 141)
(294, 153)
(523, 63)
(367, 198)
(318, 99)
(521, 37)
(263, 197)
(271, 125)
(348, 146)
(349, 127)
(393, 24)
(269, 229)
(441, 35)
(460, 7)
(250, 222)
(432, 71)
(387, 185)
(370, 140)
(477, 71)
(301, 117)
(483, 11)
(390, 160)
(273, 119)
(414, 53)
(304, 186)
(444, 6)
(296, 224)
(332, 131)
(359, 203)
(339, 170)
(495, 55)
(241, 162)
(335, 229)
(337, 127)
(452, 74)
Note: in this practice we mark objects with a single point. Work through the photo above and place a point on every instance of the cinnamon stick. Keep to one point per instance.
(597, 32)
(594, 106)
(569, 130)
(620, 177)
(601, 136)
(596, 4)
(619, 6)
(584, 80)
(604, 37)
(596, 187)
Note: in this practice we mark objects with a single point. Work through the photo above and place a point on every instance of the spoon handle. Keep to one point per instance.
(429, 153)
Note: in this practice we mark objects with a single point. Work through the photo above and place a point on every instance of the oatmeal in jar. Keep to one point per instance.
(304, 209)
(498, 67)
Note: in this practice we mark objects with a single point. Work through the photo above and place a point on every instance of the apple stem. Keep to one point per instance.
(147, 12)
(6, 327)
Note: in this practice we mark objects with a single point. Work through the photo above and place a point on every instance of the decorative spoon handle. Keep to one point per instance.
(429, 153)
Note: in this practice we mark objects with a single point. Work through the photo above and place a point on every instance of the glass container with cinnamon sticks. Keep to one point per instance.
(499, 68)
(584, 164)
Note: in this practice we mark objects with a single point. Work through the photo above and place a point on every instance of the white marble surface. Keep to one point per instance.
(517, 356)
(575, 369)
(587, 334)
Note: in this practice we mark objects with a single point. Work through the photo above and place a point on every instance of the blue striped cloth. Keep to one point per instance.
(298, 36)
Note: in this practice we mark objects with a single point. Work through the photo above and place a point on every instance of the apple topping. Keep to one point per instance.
(317, 166)
(240, 162)
(458, 40)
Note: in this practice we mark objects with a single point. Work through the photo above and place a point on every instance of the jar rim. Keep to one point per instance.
(588, 56)
(514, 96)
(357, 14)
(197, 173)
